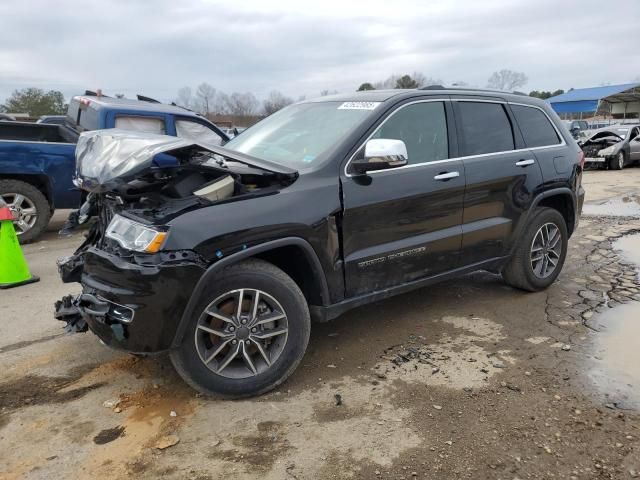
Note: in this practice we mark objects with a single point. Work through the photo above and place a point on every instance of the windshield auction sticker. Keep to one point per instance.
(358, 105)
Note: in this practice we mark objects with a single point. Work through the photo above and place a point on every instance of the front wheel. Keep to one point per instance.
(250, 333)
(29, 207)
(617, 163)
(540, 254)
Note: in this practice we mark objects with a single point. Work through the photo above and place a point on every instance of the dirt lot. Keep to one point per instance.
(466, 379)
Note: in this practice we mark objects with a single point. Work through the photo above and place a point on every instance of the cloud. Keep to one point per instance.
(157, 46)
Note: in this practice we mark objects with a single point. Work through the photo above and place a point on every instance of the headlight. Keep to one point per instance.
(605, 152)
(135, 236)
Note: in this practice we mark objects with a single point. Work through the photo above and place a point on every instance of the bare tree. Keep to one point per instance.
(423, 81)
(324, 93)
(388, 83)
(205, 96)
(185, 98)
(415, 80)
(459, 83)
(242, 104)
(221, 104)
(275, 101)
(507, 80)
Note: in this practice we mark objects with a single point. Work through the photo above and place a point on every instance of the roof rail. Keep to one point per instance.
(440, 87)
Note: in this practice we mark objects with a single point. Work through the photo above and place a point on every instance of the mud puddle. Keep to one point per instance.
(629, 246)
(616, 371)
(624, 206)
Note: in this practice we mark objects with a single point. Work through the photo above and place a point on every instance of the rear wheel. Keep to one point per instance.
(617, 163)
(29, 207)
(250, 333)
(539, 257)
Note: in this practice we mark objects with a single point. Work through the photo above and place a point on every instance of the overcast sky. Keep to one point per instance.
(301, 47)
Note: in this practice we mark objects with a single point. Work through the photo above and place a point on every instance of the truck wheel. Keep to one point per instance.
(617, 163)
(250, 332)
(29, 206)
(539, 256)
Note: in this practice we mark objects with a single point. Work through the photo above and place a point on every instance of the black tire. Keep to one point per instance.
(618, 162)
(37, 199)
(519, 272)
(251, 274)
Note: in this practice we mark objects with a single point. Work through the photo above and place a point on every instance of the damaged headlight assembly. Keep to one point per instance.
(134, 236)
(605, 152)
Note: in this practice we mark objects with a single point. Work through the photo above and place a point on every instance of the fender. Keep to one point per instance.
(210, 273)
(524, 221)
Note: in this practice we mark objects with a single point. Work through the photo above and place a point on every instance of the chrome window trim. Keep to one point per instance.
(430, 100)
(435, 162)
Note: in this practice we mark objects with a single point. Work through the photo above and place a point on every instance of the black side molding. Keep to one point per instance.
(208, 275)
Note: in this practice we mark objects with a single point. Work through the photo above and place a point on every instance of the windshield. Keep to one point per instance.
(622, 132)
(298, 136)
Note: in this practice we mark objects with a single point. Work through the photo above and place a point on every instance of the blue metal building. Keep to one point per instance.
(617, 100)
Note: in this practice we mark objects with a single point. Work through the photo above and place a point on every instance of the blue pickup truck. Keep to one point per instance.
(37, 161)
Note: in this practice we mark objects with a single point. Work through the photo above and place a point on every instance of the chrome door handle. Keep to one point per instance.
(524, 163)
(446, 176)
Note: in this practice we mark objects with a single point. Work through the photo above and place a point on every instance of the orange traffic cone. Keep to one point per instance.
(13, 267)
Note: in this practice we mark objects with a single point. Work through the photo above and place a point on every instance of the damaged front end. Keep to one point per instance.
(134, 291)
(601, 147)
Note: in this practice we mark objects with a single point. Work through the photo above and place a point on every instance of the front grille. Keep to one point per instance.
(591, 151)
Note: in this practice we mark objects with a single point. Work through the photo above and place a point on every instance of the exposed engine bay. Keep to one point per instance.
(595, 146)
(157, 177)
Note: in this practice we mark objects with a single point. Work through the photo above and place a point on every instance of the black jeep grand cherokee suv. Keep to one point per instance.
(223, 255)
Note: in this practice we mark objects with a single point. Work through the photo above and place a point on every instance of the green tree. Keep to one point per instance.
(406, 81)
(366, 86)
(36, 102)
(545, 94)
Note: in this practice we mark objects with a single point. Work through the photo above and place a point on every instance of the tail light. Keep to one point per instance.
(581, 159)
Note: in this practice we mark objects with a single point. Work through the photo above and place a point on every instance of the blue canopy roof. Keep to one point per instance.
(586, 99)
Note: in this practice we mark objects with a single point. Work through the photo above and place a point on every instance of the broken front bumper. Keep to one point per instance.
(596, 159)
(129, 306)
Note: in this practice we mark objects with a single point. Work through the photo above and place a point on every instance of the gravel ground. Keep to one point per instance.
(465, 379)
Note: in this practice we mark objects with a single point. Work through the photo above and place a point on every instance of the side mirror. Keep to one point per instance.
(381, 154)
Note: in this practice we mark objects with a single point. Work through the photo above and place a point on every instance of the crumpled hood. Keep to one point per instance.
(107, 158)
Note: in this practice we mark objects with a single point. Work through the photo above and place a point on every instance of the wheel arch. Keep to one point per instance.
(41, 182)
(293, 255)
(564, 203)
(561, 199)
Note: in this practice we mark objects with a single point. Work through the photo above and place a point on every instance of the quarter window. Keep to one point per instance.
(535, 127)
(423, 129)
(485, 128)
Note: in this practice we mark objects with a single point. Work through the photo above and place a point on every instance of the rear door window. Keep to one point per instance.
(141, 124)
(535, 126)
(485, 128)
(423, 129)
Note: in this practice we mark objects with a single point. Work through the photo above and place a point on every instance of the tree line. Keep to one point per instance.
(209, 101)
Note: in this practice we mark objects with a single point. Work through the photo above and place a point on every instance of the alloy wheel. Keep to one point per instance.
(241, 333)
(546, 249)
(620, 161)
(23, 209)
